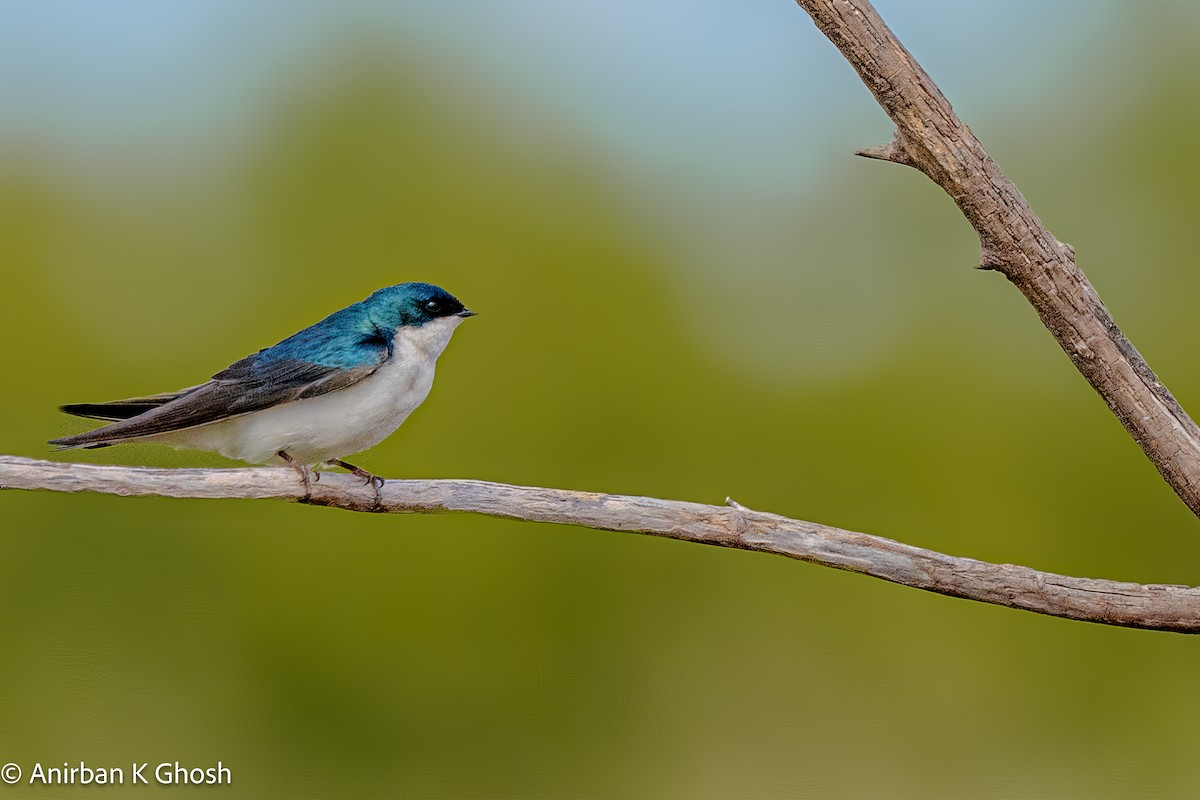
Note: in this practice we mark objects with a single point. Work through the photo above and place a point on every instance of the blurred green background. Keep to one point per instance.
(688, 288)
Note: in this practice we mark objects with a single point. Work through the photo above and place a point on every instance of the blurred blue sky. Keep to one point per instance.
(717, 122)
(657, 82)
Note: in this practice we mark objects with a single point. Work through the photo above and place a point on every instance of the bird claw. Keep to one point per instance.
(304, 474)
(368, 479)
(376, 483)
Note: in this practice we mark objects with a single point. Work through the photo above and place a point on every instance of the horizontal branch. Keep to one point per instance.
(1157, 607)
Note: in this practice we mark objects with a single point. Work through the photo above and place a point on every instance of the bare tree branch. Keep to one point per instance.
(1166, 608)
(930, 137)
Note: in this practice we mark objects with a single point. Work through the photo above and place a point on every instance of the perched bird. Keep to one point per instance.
(333, 389)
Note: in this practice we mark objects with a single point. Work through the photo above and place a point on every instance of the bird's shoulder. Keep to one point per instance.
(345, 342)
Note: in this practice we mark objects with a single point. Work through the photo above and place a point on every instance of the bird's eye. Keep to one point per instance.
(433, 307)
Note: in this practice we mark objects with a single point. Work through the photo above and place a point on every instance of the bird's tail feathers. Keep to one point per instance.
(88, 440)
(119, 409)
(115, 411)
(63, 444)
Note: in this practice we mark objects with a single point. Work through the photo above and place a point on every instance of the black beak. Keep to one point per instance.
(466, 312)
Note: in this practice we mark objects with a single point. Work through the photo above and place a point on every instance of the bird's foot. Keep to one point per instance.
(375, 481)
(306, 476)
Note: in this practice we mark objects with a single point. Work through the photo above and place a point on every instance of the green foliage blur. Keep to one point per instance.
(829, 355)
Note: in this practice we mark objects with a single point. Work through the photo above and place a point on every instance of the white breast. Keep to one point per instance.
(337, 424)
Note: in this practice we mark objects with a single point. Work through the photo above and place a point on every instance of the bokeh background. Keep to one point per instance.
(688, 288)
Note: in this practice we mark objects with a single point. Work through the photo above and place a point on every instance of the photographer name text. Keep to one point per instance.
(165, 773)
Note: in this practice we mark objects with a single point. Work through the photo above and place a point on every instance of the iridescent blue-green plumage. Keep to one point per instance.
(335, 353)
(360, 334)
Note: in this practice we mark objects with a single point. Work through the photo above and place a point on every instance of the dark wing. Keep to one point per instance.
(252, 384)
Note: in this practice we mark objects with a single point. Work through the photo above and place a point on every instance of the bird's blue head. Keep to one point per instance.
(413, 305)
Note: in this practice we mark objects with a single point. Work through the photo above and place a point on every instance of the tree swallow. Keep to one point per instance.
(331, 390)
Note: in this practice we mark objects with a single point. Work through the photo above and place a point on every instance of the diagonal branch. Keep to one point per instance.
(930, 137)
(1166, 608)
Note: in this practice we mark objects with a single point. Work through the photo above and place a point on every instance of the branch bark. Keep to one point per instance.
(1156, 607)
(930, 137)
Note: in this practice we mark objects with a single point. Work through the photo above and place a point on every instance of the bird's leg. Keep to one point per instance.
(302, 471)
(358, 472)
(374, 480)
